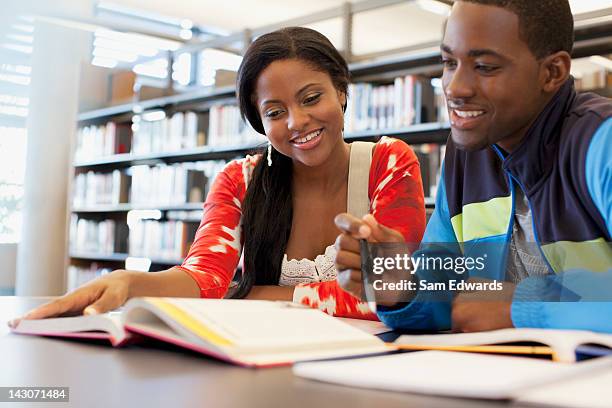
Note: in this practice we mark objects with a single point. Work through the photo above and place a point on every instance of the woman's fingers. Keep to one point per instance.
(72, 303)
(110, 299)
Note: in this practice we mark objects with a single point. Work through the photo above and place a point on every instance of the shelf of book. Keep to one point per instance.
(208, 130)
(202, 95)
(420, 133)
(129, 207)
(121, 257)
(121, 208)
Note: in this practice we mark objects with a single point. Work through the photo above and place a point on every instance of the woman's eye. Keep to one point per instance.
(448, 63)
(312, 98)
(273, 113)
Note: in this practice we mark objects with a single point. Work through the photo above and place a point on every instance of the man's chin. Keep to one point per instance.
(469, 141)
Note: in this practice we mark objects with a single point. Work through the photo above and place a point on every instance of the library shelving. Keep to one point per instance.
(120, 168)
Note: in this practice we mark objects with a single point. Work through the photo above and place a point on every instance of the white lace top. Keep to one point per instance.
(322, 269)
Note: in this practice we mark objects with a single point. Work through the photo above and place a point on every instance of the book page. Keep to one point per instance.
(441, 373)
(78, 326)
(373, 327)
(256, 325)
(589, 390)
(563, 342)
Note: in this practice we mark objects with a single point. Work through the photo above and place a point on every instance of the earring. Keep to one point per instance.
(269, 154)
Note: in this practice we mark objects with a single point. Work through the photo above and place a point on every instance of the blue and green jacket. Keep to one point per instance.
(564, 168)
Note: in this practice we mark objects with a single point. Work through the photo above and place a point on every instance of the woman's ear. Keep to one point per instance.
(342, 99)
(556, 69)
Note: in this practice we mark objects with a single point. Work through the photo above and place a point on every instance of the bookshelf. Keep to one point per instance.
(426, 134)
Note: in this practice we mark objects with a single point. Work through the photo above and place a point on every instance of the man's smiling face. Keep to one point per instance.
(492, 80)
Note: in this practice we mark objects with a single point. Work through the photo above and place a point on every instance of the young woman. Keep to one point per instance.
(279, 206)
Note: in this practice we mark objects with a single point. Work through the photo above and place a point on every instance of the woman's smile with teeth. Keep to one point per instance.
(307, 138)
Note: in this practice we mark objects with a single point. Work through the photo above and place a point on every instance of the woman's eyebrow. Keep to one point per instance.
(298, 93)
(305, 87)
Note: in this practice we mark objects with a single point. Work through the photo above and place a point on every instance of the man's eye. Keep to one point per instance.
(487, 69)
(312, 98)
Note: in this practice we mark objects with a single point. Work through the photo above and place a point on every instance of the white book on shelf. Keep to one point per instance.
(409, 113)
(190, 139)
(398, 99)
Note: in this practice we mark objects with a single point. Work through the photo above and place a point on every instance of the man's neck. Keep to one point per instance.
(512, 142)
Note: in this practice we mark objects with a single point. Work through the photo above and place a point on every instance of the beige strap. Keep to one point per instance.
(358, 203)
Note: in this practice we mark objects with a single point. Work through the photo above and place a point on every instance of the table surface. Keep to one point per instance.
(100, 375)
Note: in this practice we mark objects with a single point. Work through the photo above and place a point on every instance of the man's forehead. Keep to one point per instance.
(482, 27)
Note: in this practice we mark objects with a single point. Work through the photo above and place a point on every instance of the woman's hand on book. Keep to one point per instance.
(98, 296)
(348, 257)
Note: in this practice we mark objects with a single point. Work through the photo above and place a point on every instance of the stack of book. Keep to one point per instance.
(408, 101)
(181, 131)
(167, 184)
(92, 188)
(99, 237)
(169, 240)
(97, 141)
(79, 275)
(226, 128)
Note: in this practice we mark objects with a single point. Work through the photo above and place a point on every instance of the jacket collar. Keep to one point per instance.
(532, 160)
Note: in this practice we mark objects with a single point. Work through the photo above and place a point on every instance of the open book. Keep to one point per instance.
(561, 345)
(452, 374)
(243, 332)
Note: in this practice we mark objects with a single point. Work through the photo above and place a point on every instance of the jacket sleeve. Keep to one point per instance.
(578, 298)
(215, 252)
(396, 201)
(429, 310)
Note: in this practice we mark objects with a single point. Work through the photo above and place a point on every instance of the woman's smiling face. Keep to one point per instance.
(301, 110)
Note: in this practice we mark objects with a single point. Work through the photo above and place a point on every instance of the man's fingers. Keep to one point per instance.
(381, 233)
(352, 225)
(345, 242)
(350, 280)
(348, 260)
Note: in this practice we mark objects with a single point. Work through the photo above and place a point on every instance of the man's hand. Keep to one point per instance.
(348, 257)
(483, 310)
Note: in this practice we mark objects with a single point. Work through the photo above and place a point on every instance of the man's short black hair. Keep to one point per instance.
(546, 26)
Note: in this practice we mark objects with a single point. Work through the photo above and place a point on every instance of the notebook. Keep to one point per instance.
(590, 390)
(560, 345)
(244, 332)
(446, 373)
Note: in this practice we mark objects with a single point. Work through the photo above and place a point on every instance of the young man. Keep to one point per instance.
(527, 179)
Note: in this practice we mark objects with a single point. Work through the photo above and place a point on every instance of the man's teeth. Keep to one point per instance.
(308, 137)
(468, 114)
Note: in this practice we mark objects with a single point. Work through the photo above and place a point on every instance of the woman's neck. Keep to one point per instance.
(329, 176)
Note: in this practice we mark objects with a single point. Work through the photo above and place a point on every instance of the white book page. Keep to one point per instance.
(441, 373)
(563, 342)
(256, 325)
(589, 390)
(373, 327)
(107, 322)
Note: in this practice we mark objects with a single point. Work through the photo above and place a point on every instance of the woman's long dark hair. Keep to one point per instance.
(267, 210)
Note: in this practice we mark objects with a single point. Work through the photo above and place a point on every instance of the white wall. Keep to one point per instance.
(8, 261)
(58, 52)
